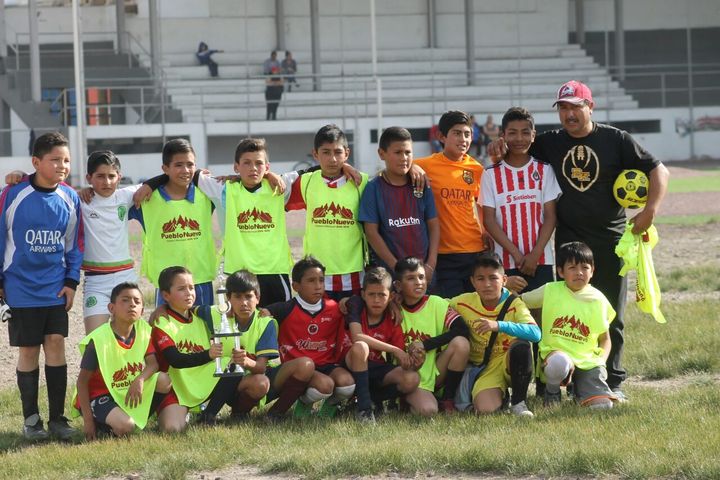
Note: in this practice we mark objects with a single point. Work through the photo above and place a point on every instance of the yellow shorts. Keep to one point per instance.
(494, 376)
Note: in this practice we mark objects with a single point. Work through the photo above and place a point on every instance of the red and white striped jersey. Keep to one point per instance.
(518, 196)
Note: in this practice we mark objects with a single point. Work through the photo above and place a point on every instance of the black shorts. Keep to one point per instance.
(102, 406)
(274, 288)
(377, 372)
(29, 325)
(271, 373)
(327, 369)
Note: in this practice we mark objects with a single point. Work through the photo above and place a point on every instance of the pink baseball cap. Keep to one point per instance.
(574, 92)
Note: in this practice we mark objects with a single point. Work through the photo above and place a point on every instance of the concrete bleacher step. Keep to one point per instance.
(332, 109)
(393, 68)
(229, 57)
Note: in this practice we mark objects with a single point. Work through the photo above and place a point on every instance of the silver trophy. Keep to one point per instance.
(226, 330)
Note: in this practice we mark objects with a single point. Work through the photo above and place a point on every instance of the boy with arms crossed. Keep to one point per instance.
(429, 323)
(41, 241)
(332, 232)
(375, 336)
(575, 340)
(118, 385)
(399, 222)
(455, 181)
(518, 200)
(510, 363)
(311, 325)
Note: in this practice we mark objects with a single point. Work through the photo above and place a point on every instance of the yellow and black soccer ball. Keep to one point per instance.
(631, 189)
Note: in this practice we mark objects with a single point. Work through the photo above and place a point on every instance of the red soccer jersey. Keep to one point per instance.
(162, 340)
(96, 384)
(385, 331)
(318, 336)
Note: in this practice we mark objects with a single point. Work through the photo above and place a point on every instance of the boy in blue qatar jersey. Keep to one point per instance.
(42, 243)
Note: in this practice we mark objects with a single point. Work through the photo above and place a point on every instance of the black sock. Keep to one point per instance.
(224, 392)
(28, 385)
(56, 380)
(387, 392)
(452, 380)
(362, 390)
(521, 368)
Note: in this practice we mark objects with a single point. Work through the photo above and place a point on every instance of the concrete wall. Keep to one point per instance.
(649, 14)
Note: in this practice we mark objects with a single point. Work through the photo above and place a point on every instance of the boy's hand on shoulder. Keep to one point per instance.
(14, 177)
(143, 194)
(342, 305)
(351, 173)
(497, 149)
(276, 182)
(516, 284)
(487, 325)
(264, 312)
(69, 294)
(215, 350)
(86, 194)
(418, 177)
(160, 311)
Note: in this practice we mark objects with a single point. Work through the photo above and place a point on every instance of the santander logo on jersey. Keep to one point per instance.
(260, 220)
(189, 228)
(123, 377)
(339, 215)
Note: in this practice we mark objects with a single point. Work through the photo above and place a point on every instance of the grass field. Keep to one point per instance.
(669, 429)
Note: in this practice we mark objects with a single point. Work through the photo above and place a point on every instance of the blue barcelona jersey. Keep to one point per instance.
(401, 217)
(42, 243)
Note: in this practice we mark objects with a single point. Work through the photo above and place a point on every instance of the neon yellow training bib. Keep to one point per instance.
(426, 323)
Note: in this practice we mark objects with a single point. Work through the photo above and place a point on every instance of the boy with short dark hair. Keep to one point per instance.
(455, 182)
(41, 244)
(510, 360)
(177, 224)
(375, 337)
(429, 323)
(332, 232)
(123, 400)
(518, 197)
(312, 325)
(575, 339)
(399, 221)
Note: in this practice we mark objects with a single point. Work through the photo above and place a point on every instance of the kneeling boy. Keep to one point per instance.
(575, 340)
(118, 379)
(429, 323)
(502, 323)
(313, 326)
(374, 333)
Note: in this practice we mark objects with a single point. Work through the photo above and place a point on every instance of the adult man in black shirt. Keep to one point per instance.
(587, 157)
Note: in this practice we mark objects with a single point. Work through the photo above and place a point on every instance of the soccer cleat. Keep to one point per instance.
(551, 399)
(521, 410)
(447, 405)
(61, 429)
(620, 397)
(33, 429)
(328, 410)
(302, 410)
(365, 416)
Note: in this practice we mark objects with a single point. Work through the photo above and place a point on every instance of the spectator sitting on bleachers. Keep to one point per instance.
(204, 55)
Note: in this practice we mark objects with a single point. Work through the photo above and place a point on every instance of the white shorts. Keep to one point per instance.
(97, 289)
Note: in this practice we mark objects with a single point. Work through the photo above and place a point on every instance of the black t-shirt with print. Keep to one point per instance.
(586, 169)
